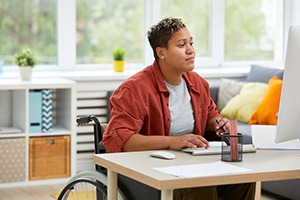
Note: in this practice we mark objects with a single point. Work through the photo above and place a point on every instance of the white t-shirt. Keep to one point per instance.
(180, 105)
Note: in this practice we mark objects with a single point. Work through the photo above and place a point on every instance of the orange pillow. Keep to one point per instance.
(266, 113)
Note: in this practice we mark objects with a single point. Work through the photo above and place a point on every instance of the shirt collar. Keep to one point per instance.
(160, 80)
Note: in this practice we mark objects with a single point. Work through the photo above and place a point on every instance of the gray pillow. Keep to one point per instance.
(228, 89)
(263, 74)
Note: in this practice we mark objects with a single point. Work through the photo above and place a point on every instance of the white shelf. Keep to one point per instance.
(56, 131)
(14, 109)
(12, 135)
(35, 83)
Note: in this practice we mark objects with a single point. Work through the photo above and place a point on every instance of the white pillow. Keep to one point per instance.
(228, 89)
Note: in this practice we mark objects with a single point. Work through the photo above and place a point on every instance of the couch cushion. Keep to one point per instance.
(245, 129)
(243, 105)
(263, 74)
(228, 89)
(214, 91)
(266, 113)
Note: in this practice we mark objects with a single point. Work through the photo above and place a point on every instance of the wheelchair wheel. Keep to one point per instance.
(83, 188)
(87, 185)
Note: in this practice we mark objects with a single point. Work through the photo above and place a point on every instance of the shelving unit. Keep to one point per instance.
(14, 112)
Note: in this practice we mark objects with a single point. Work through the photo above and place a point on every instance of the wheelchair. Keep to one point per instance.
(92, 184)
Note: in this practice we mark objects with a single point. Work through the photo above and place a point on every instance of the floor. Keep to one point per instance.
(43, 193)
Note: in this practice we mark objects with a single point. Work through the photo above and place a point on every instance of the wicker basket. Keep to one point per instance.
(49, 157)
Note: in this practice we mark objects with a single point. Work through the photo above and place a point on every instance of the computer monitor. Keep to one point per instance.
(288, 124)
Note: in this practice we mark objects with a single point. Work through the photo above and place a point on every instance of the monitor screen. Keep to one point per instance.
(288, 124)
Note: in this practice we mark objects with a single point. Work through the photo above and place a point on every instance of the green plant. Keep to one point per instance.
(119, 54)
(25, 58)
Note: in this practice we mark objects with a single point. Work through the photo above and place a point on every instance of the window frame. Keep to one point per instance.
(66, 37)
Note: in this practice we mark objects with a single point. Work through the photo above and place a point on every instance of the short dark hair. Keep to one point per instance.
(160, 33)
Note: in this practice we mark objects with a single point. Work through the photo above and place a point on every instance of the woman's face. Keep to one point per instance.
(180, 53)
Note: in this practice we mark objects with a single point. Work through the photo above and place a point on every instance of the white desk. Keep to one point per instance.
(267, 165)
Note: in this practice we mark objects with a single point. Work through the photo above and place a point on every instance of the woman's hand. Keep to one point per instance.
(222, 125)
(187, 141)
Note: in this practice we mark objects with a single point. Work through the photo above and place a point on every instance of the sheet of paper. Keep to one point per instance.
(263, 137)
(202, 170)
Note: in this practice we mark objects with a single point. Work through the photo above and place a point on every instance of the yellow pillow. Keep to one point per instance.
(266, 113)
(243, 105)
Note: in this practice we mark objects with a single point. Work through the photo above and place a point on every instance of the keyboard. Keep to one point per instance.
(216, 150)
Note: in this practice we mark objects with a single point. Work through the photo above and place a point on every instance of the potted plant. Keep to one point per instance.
(26, 60)
(119, 60)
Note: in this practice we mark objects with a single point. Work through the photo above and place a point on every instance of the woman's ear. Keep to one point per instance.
(160, 52)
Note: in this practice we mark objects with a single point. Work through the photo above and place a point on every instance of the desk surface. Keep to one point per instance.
(267, 165)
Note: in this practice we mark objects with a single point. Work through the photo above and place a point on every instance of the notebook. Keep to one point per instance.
(215, 149)
(263, 137)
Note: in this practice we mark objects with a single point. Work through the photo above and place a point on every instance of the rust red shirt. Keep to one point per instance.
(140, 106)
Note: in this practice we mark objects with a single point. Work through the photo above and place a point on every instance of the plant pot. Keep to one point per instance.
(25, 73)
(118, 65)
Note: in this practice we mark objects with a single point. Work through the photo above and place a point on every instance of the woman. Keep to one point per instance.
(167, 106)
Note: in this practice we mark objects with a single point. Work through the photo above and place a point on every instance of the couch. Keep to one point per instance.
(287, 188)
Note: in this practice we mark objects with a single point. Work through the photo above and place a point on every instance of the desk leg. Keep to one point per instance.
(112, 185)
(167, 195)
(258, 191)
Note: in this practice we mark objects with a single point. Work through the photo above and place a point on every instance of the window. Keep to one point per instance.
(103, 25)
(253, 30)
(196, 16)
(79, 33)
(28, 24)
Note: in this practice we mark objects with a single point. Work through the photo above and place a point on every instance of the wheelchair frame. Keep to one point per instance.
(127, 188)
(91, 180)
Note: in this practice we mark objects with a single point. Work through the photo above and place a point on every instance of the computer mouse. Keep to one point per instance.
(162, 154)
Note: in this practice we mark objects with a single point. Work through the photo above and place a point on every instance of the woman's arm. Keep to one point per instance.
(139, 142)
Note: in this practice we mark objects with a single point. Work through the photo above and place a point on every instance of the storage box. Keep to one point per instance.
(12, 160)
(35, 111)
(47, 118)
(49, 157)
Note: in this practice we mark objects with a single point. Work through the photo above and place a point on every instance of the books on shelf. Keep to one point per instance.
(9, 130)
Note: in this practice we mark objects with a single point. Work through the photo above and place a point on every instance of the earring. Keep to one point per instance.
(162, 57)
